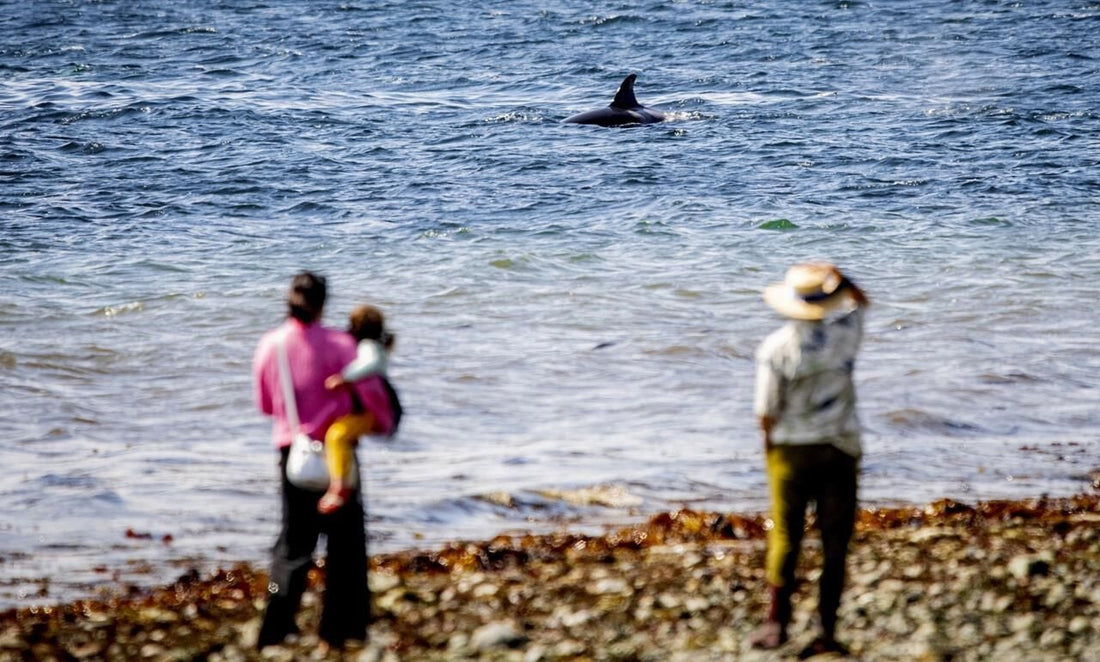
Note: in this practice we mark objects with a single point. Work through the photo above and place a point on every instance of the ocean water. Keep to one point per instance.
(576, 307)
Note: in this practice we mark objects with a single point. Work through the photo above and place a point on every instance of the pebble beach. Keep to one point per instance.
(995, 580)
(577, 307)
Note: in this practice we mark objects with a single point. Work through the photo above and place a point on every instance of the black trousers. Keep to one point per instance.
(346, 602)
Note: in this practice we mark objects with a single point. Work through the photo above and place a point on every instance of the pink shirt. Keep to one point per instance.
(314, 352)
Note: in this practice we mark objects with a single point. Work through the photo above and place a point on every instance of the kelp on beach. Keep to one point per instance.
(1011, 580)
(701, 527)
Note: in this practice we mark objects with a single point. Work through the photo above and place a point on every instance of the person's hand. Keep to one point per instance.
(334, 382)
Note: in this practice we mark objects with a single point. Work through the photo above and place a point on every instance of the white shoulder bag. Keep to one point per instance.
(305, 464)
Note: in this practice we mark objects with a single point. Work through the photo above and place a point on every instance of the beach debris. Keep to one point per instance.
(611, 496)
(1010, 581)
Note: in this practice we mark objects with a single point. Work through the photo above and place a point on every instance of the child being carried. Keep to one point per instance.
(368, 326)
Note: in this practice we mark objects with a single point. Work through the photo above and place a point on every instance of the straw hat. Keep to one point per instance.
(810, 291)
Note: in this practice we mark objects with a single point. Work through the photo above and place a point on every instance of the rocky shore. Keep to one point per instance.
(997, 580)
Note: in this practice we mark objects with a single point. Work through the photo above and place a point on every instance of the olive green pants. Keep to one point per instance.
(826, 476)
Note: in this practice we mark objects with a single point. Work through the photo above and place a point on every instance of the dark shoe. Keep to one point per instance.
(821, 646)
(273, 635)
(265, 641)
(769, 636)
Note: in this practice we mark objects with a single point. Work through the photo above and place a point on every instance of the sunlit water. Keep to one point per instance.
(576, 307)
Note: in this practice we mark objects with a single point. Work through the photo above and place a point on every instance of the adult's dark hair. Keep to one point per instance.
(306, 297)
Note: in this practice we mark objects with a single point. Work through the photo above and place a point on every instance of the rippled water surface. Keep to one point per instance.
(576, 307)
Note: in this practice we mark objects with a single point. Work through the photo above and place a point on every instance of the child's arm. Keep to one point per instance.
(370, 360)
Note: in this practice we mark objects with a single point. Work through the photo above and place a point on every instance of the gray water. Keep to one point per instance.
(576, 307)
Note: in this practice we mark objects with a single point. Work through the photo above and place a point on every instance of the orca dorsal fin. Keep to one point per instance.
(624, 98)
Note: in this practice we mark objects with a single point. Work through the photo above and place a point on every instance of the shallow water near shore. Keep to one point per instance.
(576, 307)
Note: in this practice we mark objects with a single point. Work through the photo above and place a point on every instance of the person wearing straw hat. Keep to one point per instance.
(805, 401)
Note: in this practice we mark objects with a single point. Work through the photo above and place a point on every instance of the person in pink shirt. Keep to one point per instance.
(314, 352)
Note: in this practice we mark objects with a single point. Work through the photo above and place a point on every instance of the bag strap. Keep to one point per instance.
(289, 402)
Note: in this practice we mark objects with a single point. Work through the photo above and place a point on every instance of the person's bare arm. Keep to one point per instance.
(767, 423)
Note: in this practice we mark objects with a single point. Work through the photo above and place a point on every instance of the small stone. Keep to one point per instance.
(1022, 623)
(248, 632)
(1024, 566)
(229, 654)
(380, 582)
(968, 634)
(568, 649)
(535, 653)
(930, 534)
(987, 601)
(1052, 638)
(277, 654)
(1055, 596)
(1078, 625)
(499, 498)
(391, 601)
(372, 653)
(1094, 598)
(572, 619)
(691, 559)
(485, 590)
(157, 615)
(84, 651)
(696, 604)
(609, 586)
(623, 650)
(897, 624)
(496, 635)
(12, 639)
(458, 641)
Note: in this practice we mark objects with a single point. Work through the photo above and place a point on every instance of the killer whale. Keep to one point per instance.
(624, 110)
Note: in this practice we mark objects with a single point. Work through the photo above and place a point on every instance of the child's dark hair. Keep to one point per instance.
(368, 323)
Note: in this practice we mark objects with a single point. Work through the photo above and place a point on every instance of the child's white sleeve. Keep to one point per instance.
(370, 360)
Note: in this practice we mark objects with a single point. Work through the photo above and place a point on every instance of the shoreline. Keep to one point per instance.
(1011, 580)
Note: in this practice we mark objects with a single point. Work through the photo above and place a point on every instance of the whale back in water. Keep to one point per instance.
(624, 110)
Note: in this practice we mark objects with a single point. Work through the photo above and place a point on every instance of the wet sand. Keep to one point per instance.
(1003, 580)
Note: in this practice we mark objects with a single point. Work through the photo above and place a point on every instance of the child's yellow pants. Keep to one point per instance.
(341, 437)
